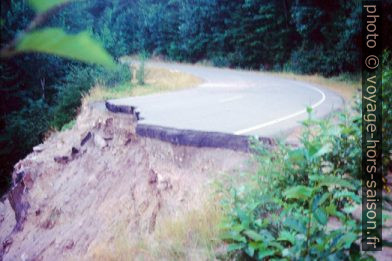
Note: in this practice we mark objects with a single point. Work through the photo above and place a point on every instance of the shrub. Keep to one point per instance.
(140, 73)
(78, 82)
(220, 61)
(285, 210)
(112, 78)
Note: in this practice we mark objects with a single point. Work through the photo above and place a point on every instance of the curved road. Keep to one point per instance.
(234, 101)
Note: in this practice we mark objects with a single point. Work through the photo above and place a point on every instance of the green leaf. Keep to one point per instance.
(250, 250)
(321, 216)
(243, 217)
(236, 228)
(267, 236)
(233, 236)
(313, 148)
(234, 247)
(319, 200)
(298, 192)
(276, 245)
(265, 253)
(55, 41)
(287, 236)
(323, 150)
(295, 225)
(349, 208)
(258, 222)
(335, 181)
(347, 194)
(346, 240)
(297, 155)
(253, 235)
(44, 5)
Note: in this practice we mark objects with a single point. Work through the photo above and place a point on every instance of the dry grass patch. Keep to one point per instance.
(156, 80)
(346, 88)
(193, 235)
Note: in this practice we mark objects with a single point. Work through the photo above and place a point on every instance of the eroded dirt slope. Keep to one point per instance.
(82, 185)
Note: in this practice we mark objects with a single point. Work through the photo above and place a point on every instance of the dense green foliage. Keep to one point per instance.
(387, 111)
(303, 36)
(76, 83)
(284, 209)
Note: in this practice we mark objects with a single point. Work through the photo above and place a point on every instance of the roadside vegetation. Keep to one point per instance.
(300, 203)
(348, 86)
(154, 80)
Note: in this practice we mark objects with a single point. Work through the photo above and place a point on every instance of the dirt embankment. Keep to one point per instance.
(82, 186)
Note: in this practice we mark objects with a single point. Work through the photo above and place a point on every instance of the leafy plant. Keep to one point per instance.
(55, 41)
(299, 205)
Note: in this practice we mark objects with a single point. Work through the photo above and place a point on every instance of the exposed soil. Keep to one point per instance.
(82, 185)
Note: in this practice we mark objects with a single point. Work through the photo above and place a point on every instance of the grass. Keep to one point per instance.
(193, 235)
(69, 125)
(156, 80)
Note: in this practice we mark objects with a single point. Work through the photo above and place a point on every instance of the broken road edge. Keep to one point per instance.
(193, 138)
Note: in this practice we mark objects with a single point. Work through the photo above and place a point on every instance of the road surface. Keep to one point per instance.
(234, 101)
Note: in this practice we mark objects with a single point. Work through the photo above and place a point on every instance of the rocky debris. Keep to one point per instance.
(74, 151)
(18, 176)
(69, 244)
(61, 159)
(153, 177)
(52, 218)
(38, 148)
(129, 140)
(108, 129)
(99, 141)
(137, 114)
(5, 246)
(85, 139)
(17, 196)
(66, 159)
(163, 183)
(119, 108)
(2, 211)
(116, 186)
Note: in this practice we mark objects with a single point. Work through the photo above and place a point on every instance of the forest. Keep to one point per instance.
(42, 92)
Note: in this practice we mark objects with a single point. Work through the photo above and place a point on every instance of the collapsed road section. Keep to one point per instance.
(194, 138)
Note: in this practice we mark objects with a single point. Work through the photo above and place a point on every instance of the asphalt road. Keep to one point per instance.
(234, 101)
